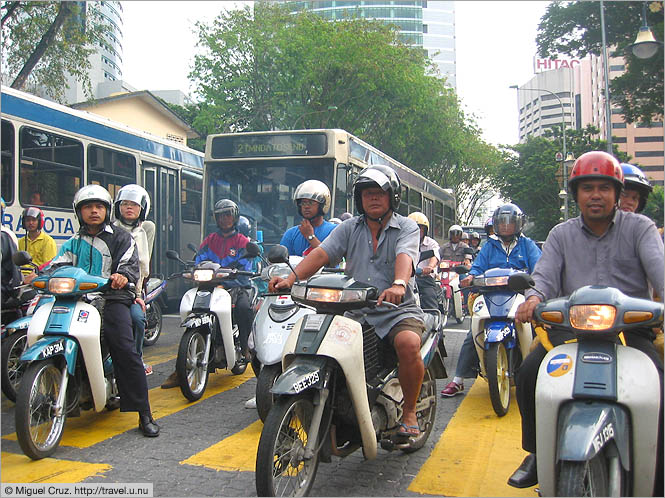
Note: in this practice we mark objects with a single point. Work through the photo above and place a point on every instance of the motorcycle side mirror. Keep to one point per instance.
(278, 254)
(252, 250)
(170, 254)
(520, 282)
(192, 248)
(21, 258)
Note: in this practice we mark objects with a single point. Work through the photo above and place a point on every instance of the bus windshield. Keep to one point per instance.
(263, 191)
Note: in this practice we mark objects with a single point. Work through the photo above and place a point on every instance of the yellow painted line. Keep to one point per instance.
(92, 428)
(477, 452)
(235, 453)
(155, 355)
(19, 468)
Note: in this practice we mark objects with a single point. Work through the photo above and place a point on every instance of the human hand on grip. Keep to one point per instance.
(466, 281)
(393, 295)
(277, 283)
(118, 281)
(525, 310)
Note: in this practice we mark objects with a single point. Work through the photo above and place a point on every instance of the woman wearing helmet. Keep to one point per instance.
(109, 252)
(380, 247)
(489, 227)
(426, 271)
(636, 189)
(131, 207)
(36, 242)
(453, 250)
(312, 199)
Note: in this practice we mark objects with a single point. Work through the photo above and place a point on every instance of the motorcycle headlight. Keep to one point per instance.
(203, 275)
(495, 281)
(444, 264)
(592, 316)
(61, 285)
(336, 295)
(298, 291)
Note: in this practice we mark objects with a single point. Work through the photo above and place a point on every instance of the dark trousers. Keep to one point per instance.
(242, 314)
(525, 390)
(127, 364)
(429, 291)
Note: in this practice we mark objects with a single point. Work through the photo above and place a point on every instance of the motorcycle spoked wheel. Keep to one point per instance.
(264, 398)
(192, 374)
(241, 364)
(154, 324)
(12, 369)
(589, 478)
(425, 411)
(38, 428)
(497, 370)
(281, 469)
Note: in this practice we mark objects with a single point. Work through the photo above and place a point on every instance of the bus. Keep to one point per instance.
(49, 151)
(260, 171)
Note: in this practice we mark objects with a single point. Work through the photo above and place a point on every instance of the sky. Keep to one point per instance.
(495, 44)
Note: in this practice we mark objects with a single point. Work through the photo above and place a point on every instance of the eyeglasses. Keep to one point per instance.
(128, 204)
(307, 202)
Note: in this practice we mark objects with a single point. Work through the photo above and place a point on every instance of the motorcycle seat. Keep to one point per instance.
(432, 320)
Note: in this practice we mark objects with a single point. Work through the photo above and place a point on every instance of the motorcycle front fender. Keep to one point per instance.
(196, 320)
(51, 346)
(499, 331)
(19, 324)
(306, 372)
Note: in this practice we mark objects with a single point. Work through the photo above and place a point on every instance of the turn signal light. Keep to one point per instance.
(552, 316)
(39, 284)
(637, 316)
(87, 286)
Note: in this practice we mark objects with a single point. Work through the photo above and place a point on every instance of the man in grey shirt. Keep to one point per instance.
(381, 248)
(603, 246)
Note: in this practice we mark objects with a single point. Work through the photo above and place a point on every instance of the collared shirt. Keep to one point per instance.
(42, 249)
(429, 244)
(627, 256)
(297, 244)
(353, 240)
(453, 252)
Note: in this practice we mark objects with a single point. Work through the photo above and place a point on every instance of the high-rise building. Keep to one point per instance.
(427, 24)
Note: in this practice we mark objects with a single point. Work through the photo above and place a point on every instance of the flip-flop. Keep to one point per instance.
(407, 431)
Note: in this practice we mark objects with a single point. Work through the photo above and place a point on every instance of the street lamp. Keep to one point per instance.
(608, 112)
(645, 45)
(330, 108)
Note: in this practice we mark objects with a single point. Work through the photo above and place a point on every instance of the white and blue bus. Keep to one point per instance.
(260, 171)
(49, 151)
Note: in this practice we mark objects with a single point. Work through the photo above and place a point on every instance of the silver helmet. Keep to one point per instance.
(316, 191)
(134, 193)
(91, 193)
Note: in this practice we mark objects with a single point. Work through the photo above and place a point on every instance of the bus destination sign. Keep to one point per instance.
(280, 145)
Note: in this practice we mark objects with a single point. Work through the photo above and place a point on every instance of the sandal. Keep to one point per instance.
(407, 431)
(148, 369)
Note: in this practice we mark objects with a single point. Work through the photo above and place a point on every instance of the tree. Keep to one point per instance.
(43, 42)
(532, 178)
(573, 28)
(654, 207)
(269, 69)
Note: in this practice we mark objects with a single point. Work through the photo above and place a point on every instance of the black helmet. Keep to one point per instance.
(224, 206)
(244, 226)
(633, 178)
(507, 214)
(377, 176)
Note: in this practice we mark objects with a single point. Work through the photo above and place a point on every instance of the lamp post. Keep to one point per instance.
(563, 132)
(328, 109)
(645, 45)
(608, 111)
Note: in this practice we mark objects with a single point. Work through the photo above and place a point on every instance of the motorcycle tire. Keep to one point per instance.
(154, 324)
(264, 398)
(256, 365)
(38, 429)
(192, 374)
(588, 478)
(425, 411)
(497, 370)
(12, 369)
(281, 469)
(444, 307)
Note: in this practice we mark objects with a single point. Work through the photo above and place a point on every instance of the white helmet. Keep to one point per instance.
(92, 193)
(316, 191)
(455, 230)
(134, 193)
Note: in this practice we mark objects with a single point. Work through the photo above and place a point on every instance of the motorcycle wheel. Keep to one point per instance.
(12, 369)
(425, 411)
(444, 307)
(154, 326)
(256, 365)
(264, 383)
(38, 428)
(281, 469)
(192, 374)
(452, 311)
(588, 478)
(497, 370)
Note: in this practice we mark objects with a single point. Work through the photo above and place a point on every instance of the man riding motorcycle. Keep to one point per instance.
(453, 250)
(428, 288)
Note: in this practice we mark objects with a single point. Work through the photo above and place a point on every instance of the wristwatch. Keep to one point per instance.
(401, 282)
(310, 237)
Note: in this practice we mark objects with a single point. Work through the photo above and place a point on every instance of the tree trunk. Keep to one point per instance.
(11, 8)
(63, 12)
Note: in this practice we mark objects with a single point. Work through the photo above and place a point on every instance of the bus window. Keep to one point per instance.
(190, 196)
(403, 207)
(428, 204)
(415, 201)
(50, 165)
(438, 220)
(340, 190)
(110, 169)
(149, 182)
(448, 216)
(7, 186)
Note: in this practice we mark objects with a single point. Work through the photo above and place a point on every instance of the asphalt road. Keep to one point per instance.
(208, 448)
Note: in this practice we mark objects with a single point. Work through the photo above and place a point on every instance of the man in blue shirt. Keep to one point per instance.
(313, 200)
(510, 249)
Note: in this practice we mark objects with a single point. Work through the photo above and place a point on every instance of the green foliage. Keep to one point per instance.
(573, 28)
(654, 207)
(270, 70)
(24, 25)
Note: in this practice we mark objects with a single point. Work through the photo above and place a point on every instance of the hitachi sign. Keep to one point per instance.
(540, 65)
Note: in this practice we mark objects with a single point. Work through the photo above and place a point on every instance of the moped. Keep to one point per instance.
(597, 400)
(210, 339)
(339, 390)
(452, 297)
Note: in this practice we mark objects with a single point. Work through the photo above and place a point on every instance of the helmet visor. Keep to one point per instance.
(378, 177)
(506, 224)
(32, 212)
(130, 195)
(455, 233)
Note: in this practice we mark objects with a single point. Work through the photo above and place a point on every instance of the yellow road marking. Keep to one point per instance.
(155, 355)
(235, 453)
(477, 452)
(19, 468)
(92, 428)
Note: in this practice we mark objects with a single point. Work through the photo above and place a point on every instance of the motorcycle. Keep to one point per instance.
(452, 297)
(597, 400)
(210, 340)
(155, 287)
(339, 389)
(500, 341)
(69, 367)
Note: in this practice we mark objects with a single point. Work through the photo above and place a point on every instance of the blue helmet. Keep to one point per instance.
(244, 226)
(633, 178)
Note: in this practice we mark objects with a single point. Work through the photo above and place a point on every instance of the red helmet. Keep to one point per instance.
(596, 165)
(33, 212)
